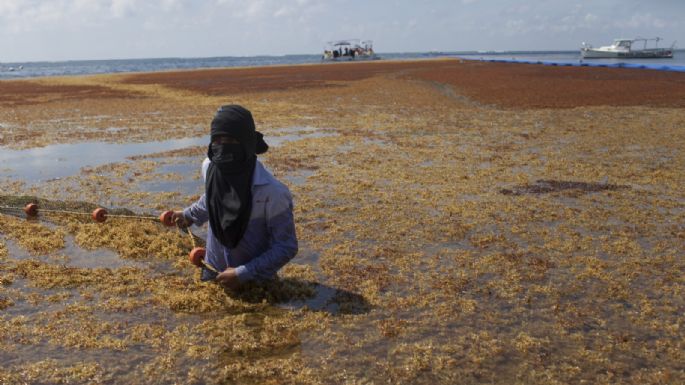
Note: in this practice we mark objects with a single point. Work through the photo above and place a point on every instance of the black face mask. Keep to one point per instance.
(228, 187)
(228, 153)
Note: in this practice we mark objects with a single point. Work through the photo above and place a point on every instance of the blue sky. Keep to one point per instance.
(33, 30)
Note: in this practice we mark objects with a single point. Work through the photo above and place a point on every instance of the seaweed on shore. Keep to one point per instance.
(442, 239)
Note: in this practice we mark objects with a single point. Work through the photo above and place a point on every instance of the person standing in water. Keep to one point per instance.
(251, 232)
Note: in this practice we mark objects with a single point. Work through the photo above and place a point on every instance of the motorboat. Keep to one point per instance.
(348, 50)
(12, 69)
(638, 48)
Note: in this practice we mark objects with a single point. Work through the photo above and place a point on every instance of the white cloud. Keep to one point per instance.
(261, 8)
(284, 11)
(36, 29)
(255, 8)
(171, 5)
(86, 6)
(515, 26)
(590, 18)
(8, 7)
(642, 20)
(121, 8)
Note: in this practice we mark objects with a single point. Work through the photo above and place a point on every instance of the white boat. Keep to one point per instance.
(628, 49)
(12, 69)
(348, 50)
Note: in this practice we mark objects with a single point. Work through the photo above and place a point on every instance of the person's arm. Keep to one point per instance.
(197, 212)
(281, 228)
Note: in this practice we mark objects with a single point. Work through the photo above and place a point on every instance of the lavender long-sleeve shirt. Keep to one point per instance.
(269, 241)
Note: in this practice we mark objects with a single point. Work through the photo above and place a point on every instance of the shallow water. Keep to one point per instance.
(299, 178)
(28, 308)
(73, 255)
(39, 312)
(184, 187)
(187, 170)
(62, 160)
(51, 162)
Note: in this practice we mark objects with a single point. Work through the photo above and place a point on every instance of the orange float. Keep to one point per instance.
(197, 256)
(167, 218)
(99, 215)
(31, 209)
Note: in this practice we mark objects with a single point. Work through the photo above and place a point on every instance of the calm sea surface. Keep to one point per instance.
(86, 67)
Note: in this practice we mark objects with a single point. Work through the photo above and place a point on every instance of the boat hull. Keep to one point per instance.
(349, 58)
(588, 53)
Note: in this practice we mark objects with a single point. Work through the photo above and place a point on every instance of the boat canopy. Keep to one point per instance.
(645, 40)
(355, 43)
(349, 49)
(623, 43)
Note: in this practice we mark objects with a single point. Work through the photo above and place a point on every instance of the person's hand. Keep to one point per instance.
(181, 219)
(229, 278)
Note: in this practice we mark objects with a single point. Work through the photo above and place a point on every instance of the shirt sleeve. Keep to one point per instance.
(283, 240)
(197, 212)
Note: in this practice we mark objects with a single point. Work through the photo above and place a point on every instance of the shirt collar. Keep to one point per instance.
(261, 176)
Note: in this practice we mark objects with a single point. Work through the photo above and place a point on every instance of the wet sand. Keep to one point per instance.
(458, 222)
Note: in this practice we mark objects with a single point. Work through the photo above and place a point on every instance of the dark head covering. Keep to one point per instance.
(236, 121)
(228, 187)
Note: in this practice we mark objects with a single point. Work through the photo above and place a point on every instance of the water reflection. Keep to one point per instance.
(58, 161)
(73, 255)
(62, 160)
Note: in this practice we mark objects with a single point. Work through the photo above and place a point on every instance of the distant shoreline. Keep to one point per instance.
(504, 85)
(114, 66)
(381, 54)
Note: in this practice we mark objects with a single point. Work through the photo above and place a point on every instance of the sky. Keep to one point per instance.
(53, 30)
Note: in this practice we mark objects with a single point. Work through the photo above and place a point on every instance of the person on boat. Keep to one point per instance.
(251, 232)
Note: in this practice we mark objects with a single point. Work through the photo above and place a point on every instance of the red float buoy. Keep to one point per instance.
(167, 218)
(196, 256)
(31, 209)
(99, 215)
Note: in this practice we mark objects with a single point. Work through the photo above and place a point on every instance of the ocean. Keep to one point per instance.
(89, 67)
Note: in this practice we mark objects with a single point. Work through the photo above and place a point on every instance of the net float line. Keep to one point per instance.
(99, 214)
(192, 237)
(178, 223)
(196, 255)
